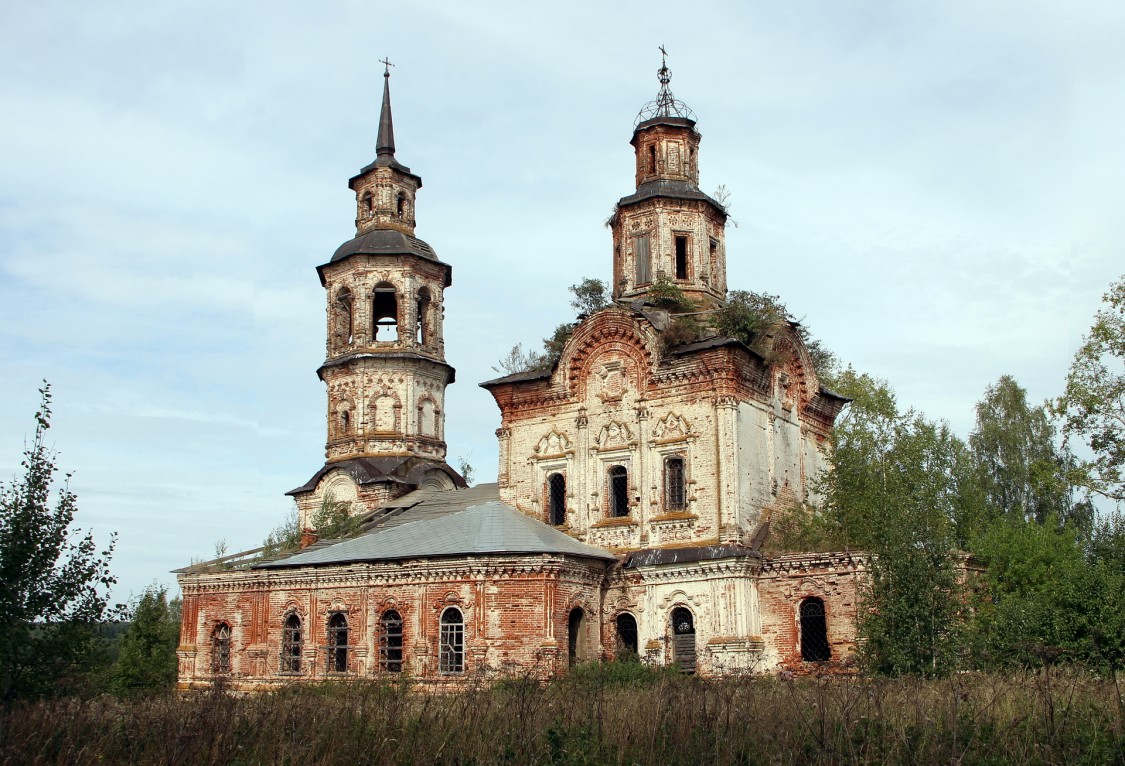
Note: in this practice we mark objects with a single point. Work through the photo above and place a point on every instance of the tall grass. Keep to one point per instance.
(596, 717)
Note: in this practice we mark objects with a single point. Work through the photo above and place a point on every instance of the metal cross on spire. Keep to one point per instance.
(665, 104)
(386, 66)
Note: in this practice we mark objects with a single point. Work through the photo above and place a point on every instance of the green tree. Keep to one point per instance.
(590, 295)
(750, 316)
(1022, 472)
(1092, 408)
(53, 580)
(147, 657)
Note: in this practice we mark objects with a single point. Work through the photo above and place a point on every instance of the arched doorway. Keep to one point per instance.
(683, 639)
(627, 639)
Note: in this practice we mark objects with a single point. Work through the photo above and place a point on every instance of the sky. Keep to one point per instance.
(934, 189)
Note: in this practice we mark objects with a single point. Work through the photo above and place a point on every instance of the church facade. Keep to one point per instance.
(638, 474)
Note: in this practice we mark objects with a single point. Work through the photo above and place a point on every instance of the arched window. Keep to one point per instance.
(814, 632)
(220, 649)
(451, 642)
(368, 205)
(291, 644)
(576, 636)
(618, 491)
(683, 639)
(627, 634)
(338, 643)
(675, 497)
(342, 327)
(556, 499)
(390, 642)
(423, 334)
(384, 313)
(400, 206)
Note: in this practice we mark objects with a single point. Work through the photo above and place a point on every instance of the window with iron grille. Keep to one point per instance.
(220, 649)
(618, 491)
(556, 499)
(814, 631)
(390, 642)
(627, 633)
(291, 645)
(338, 643)
(675, 497)
(451, 654)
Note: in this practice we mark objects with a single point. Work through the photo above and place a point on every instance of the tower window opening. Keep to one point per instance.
(401, 205)
(342, 325)
(390, 642)
(345, 422)
(652, 157)
(427, 418)
(627, 642)
(681, 257)
(384, 314)
(338, 643)
(814, 632)
(368, 204)
(451, 640)
(643, 261)
(291, 645)
(618, 491)
(423, 309)
(675, 496)
(556, 499)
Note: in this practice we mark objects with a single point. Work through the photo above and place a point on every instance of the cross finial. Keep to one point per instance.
(663, 56)
(386, 67)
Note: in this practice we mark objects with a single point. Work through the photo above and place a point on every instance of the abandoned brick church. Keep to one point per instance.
(636, 481)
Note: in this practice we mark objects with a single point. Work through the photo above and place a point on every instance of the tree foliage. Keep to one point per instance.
(751, 317)
(1092, 407)
(54, 581)
(590, 295)
(147, 657)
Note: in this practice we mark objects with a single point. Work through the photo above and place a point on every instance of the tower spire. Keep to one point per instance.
(386, 140)
(665, 104)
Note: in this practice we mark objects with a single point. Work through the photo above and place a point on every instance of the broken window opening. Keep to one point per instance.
(451, 642)
(683, 639)
(618, 491)
(675, 496)
(401, 205)
(576, 636)
(390, 642)
(814, 632)
(291, 645)
(627, 634)
(342, 325)
(345, 422)
(368, 204)
(220, 649)
(384, 314)
(652, 157)
(338, 643)
(681, 257)
(423, 310)
(643, 261)
(556, 499)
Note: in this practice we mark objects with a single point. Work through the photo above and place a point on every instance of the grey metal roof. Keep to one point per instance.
(519, 377)
(401, 469)
(671, 189)
(488, 528)
(385, 242)
(650, 557)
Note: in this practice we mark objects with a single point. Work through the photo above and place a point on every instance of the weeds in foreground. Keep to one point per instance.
(596, 716)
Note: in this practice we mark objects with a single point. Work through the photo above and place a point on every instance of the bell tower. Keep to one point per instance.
(385, 366)
(668, 228)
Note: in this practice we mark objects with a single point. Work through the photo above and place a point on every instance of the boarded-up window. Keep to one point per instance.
(683, 639)
(643, 259)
